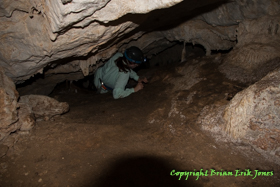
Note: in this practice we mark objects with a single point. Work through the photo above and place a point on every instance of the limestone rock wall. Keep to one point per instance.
(20, 116)
(248, 27)
(192, 31)
(48, 33)
(8, 106)
(199, 32)
(35, 33)
(82, 13)
(257, 50)
(251, 117)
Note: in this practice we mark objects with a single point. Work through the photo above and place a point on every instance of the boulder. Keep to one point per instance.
(26, 117)
(251, 117)
(44, 107)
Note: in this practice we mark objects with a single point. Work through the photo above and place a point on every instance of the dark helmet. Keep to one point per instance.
(134, 54)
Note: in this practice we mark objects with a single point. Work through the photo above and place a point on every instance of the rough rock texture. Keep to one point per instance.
(47, 31)
(44, 107)
(252, 116)
(215, 28)
(8, 110)
(31, 108)
(8, 106)
(26, 118)
(86, 11)
(60, 37)
(193, 31)
(257, 51)
(199, 32)
(20, 116)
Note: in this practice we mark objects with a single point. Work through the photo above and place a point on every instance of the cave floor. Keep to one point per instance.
(133, 142)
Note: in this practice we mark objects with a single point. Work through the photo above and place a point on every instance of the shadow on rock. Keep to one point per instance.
(139, 172)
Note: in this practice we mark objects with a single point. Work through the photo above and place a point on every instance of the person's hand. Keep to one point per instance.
(143, 79)
(138, 87)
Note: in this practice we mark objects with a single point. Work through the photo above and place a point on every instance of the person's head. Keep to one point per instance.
(134, 56)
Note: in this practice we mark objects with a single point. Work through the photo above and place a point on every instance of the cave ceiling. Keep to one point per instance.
(74, 36)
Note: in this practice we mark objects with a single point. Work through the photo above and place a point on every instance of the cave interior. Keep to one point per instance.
(211, 103)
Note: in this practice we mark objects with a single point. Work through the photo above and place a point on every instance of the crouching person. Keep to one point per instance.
(115, 73)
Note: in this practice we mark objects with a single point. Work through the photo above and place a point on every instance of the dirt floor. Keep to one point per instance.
(135, 141)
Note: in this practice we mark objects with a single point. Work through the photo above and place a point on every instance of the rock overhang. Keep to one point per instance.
(38, 34)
